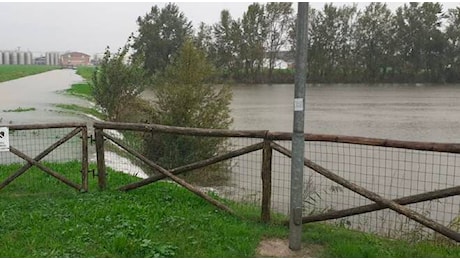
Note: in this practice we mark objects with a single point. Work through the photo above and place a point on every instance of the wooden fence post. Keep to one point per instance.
(101, 170)
(84, 159)
(266, 181)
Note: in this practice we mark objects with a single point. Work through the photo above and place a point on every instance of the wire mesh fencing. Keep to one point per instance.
(390, 172)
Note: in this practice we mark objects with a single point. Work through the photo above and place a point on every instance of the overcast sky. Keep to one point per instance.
(90, 27)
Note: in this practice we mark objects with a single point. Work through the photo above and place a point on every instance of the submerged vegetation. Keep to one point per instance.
(85, 110)
(10, 72)
(20, 109)
(41, 217)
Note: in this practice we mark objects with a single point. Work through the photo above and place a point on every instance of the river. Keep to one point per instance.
(406, 112)
(416, 112)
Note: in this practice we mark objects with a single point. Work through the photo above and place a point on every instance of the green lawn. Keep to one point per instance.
(83, 89)
(42, 217)
(10, 72)
(86, 72)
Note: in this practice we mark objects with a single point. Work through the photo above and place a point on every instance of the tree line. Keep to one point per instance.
(418, 42)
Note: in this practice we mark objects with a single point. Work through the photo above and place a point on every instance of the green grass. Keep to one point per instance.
(10, 72)
(77, 108)
(341, 242)
(20, 109)
(86, 72)
(42, 217)
(83, 90)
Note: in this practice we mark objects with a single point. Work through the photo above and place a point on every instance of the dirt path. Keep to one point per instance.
(276, 247)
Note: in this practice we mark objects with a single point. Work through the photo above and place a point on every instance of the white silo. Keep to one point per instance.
(1, 58)
(30, 58)
(14, 58)
(6, 58)
(56, 60)
(48, 58)
(55, 56)
(20, 58)
(26, 58)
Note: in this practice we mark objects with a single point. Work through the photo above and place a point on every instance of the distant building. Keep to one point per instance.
(75, 59)
(40, 60)
(283, 60)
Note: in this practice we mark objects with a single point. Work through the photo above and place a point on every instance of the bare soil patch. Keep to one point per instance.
(276, 247)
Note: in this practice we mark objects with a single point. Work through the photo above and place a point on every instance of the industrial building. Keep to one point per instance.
(16, 58)
(68, 59)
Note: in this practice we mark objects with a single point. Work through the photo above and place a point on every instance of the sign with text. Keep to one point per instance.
(4, 139)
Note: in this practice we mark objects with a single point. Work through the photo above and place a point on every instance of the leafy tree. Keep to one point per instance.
(227, 34)
(254, 33)
(117, 82)
(453, 41)
(372, 40)
(332, 44)
(278, 18)
(419, 37)
(204, 40)
(184, 99)
(161, 34)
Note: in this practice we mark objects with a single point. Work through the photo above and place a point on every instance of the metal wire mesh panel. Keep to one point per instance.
(390, 172)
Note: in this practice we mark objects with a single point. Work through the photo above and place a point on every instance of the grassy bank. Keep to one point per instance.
(10, 72)
(83, 89)
(44, 218)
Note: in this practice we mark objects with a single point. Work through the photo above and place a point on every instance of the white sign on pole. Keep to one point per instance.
(298, 104)
(4, 139)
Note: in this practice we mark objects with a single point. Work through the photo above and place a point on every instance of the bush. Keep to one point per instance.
(183, 99)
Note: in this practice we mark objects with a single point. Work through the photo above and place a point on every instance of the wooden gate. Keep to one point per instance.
(78, 128)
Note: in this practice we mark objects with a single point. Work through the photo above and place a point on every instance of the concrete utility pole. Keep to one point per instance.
(298, 143)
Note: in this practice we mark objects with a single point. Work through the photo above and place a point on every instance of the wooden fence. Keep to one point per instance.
(264, 141)
(267, 145)
(78, 128)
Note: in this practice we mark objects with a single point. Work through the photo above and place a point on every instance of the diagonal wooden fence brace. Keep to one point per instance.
(194, 166)
(375, 197)
(171, 176)
(45, 169)
(40, 156)
(432, 195)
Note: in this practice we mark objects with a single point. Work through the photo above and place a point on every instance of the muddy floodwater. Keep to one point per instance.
(40, 92)
(412, 112)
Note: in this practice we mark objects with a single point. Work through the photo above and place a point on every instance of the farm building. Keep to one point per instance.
(75, 59)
